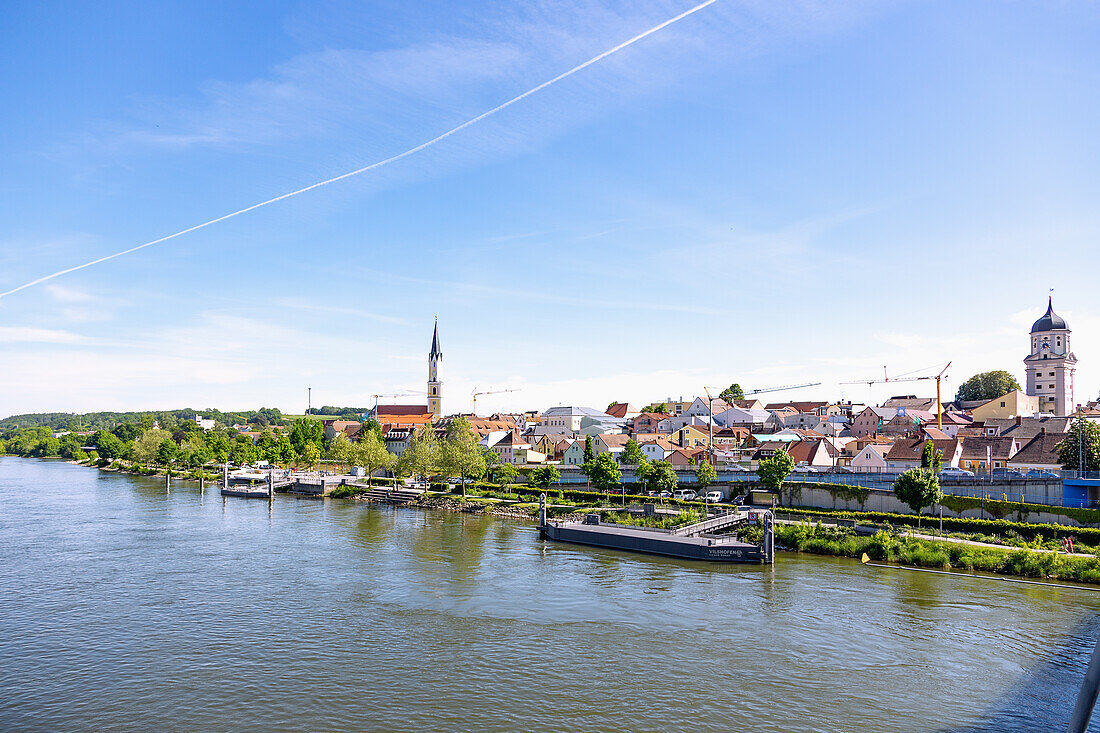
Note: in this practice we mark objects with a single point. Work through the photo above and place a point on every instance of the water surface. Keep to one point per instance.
(126, 608)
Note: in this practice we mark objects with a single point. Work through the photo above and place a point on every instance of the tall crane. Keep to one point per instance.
(938, 377)
(474, 394)
(406, 393)
(780, 389)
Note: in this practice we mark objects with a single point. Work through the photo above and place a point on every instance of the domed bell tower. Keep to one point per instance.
(1051, 364)
(434, 385)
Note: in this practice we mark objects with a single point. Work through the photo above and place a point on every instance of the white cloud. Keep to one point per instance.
(25, 334)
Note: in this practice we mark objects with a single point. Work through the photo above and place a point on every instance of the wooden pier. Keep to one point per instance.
(693, 542)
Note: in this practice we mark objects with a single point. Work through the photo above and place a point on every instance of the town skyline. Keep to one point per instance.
(689, 213)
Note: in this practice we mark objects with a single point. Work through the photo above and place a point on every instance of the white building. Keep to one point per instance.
(1051, 365)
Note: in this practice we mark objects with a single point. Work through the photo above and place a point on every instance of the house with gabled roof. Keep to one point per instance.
(1039, 454)
(906, 453)
(986, 453)
(871, 459)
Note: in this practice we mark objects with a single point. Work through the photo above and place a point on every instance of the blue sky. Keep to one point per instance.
(765, 192)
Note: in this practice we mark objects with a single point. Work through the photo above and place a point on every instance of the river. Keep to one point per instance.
(127, 608)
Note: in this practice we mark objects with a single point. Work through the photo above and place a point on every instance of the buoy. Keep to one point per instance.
(865, 559)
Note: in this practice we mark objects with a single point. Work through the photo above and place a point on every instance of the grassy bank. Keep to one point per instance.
(887, 547)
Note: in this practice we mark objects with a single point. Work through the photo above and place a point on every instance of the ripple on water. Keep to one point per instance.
(126, 608)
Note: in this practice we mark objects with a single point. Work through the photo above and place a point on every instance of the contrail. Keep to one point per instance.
(379, 164)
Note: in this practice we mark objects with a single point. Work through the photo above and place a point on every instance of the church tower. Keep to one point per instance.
(1051, 364)
(434, 357)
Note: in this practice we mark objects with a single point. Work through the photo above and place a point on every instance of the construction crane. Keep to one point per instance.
(474, 394)
(938, 377)
(780, 389)
(406, 393)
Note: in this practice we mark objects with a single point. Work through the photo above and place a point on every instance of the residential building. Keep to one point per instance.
(1039, 454)
(870, 420)
(647, 422)
(692, 436)
(983, 454)
(871, 459)
(574, 454)
(911, 402)
(1016, 402)
(623, 410)
(906, 453)
(401, 415)
(657, 449)
(612, 443)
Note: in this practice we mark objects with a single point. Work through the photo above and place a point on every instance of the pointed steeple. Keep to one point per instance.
(436, 352)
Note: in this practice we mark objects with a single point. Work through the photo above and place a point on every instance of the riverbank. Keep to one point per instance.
(886, 547)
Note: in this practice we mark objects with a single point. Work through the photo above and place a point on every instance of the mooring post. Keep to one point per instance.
(202, 482)
(225, 475)
(769, 537)
(271, 483)
(542, 510)
(167, 481)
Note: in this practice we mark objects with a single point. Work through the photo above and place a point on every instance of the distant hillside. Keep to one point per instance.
(167, 419)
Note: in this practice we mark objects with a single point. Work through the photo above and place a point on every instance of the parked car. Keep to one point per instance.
(713, 496)
(1040, 473)
(684, 495)
(738, 500)
(664, 495)
(952, 472)
(1007, 473)
(802, 467)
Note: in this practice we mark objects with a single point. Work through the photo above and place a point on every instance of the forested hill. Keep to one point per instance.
(165, 418)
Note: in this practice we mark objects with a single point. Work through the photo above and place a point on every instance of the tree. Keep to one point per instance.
(371, 426)
(311, 455)
(604, 472)
(705, 474)
(147, 445)
(658, 408)
(422, 456)
(341, 450)
(371, 453)
(543, 476)
(632, 454)
(305, 431)
(930, 457)
(461, 456)
(167, 452)
(589, 452)
(505, 473)
(918, 488)
(732, 392)
(986, 386)
(1069, 450)
(492, 461)
(108, 445)
(774, 471)
(661, 477)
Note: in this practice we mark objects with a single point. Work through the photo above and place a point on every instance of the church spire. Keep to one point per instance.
(435, 387)
(436, 352)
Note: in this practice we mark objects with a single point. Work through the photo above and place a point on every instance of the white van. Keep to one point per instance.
(684, 495)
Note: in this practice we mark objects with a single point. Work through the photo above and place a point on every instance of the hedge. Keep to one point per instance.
(1029, 531)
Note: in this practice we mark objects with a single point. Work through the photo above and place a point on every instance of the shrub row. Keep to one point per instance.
(1030, 531)
(944, 555)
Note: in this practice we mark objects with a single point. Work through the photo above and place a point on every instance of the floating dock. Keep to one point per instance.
(693, 542)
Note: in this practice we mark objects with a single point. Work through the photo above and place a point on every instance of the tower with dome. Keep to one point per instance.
(1051, 364)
